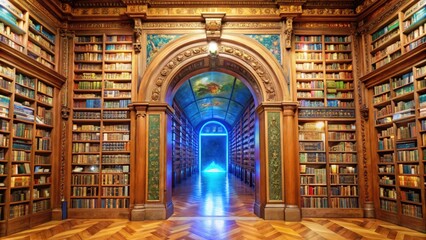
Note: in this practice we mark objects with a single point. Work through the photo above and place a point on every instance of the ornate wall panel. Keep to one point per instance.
(155, 42)
(271, 41)
(154, 157)
(274, 156)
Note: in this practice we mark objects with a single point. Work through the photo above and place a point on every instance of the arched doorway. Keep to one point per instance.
(213, 145)
(251, 63)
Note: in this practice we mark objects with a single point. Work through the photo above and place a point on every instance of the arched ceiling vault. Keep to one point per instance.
(213, 95)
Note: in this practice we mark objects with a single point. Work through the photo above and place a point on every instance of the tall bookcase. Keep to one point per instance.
(399, 115)
(403, 32)
(185, 147)
(242, 146)
(100, 161)
(26, 152)
(26, 33)
(327, 134)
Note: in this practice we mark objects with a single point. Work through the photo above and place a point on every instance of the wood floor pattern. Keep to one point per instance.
(229, 217)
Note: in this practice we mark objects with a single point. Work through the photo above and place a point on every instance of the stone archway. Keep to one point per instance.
(258, 69)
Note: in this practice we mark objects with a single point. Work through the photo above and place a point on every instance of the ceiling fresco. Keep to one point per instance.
(213, 95)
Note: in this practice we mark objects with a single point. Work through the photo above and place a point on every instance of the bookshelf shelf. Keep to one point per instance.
(398, 147)
(101, 123)
(327, 153)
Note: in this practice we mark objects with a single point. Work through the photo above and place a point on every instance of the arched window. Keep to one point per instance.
(213, 142)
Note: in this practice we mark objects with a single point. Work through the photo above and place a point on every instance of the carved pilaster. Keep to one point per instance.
(213, 25)
(137, 45)
(288, 31)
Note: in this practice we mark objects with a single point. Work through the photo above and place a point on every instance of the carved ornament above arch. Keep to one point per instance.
(241, 55)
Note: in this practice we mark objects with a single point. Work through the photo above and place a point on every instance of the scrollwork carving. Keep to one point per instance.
(241, 54)
(288, 31)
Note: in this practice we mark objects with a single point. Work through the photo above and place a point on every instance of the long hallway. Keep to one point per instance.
(216, 194)
(217, 206)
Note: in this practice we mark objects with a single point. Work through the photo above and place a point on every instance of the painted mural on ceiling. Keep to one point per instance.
(213, 95)
(154, 42)
(271, 41)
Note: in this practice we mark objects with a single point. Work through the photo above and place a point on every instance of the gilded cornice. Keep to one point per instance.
(161, 3)
(243, 12)
(170, 25)
(366, 4)
(100, 25)
(387, 10)
(252, 25)
(329, 4)
(321, 25)
(110, 11)
(327, 11)
(43, 13)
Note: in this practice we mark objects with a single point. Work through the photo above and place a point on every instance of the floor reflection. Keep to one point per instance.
(213, 194)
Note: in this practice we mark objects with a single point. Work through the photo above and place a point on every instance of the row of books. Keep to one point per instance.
(326, 113)
(39, 39)
(387, 192)
(344, 190)
(344, 203)
(393, 25)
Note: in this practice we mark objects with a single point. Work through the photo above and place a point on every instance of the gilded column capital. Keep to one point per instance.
(289, 108)
(65, 33)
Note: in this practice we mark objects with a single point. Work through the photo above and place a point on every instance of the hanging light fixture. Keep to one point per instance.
(213, 48)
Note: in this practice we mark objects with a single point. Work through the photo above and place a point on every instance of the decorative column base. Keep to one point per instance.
(292, 213)
(258, 210)
(158, 211)
(138, 213)
(274, 212)
(57, 214)
(369, 210)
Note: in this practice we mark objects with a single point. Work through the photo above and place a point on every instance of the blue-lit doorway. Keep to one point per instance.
(213, 144)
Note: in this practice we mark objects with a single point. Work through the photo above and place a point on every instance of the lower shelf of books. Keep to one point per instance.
(333, 212)
(415, 223)
(96, 213)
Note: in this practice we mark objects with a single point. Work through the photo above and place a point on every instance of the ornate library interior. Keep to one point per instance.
(201, 119)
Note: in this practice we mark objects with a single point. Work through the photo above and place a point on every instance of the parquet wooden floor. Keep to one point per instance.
(229, 217)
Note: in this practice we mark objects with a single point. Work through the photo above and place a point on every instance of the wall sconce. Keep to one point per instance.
(213, 48)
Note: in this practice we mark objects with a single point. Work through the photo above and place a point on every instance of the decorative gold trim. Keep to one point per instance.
(168, 25)
(327, 11)
(245, 12)
(100, 25)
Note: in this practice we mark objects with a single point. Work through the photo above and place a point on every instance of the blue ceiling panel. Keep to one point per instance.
(184, 96)
(213, 95)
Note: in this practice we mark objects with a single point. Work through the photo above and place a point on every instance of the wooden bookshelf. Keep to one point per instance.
(13, 25)
(242, 146)
(27, 119)
(41, 43)
(26, 33)
(327, 143)
(402, 32)
(185, 142)
(100, 158)
(398, 117)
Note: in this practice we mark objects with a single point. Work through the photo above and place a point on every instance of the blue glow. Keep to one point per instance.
(205, 156)
(213, 167)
